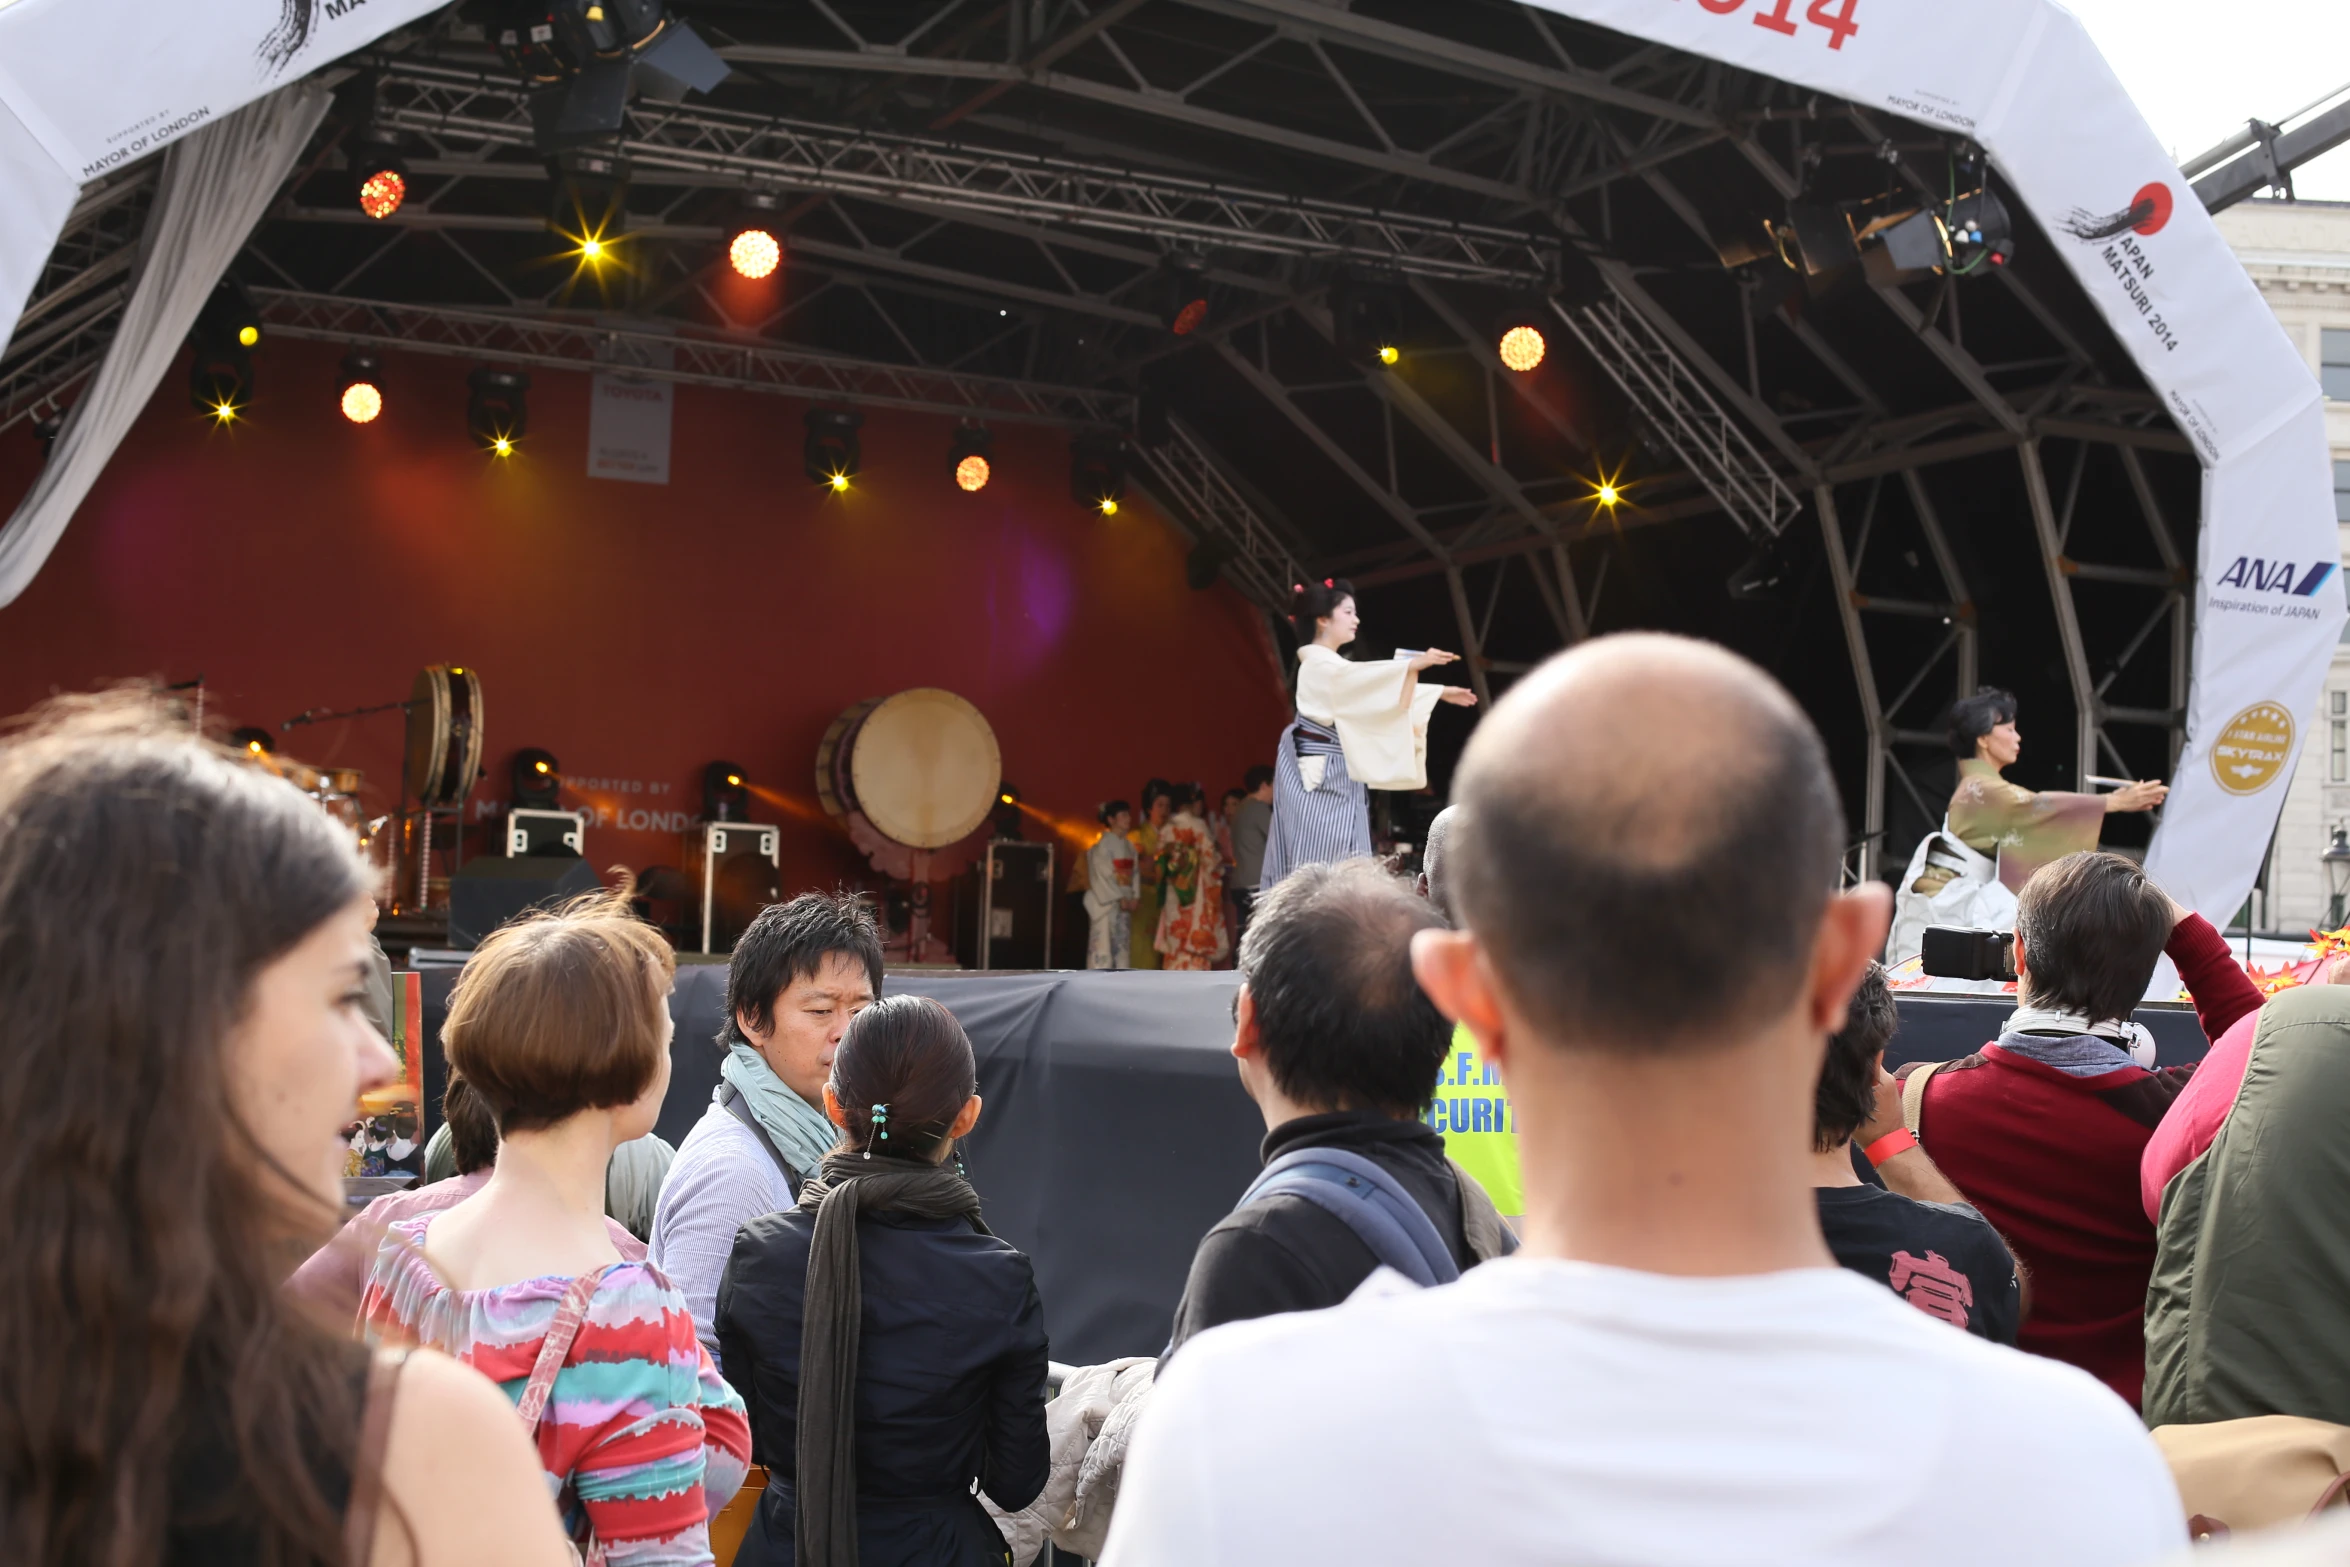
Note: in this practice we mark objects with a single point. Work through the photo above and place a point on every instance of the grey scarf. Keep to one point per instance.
(824, 1479)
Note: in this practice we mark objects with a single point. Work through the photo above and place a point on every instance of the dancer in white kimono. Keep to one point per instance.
(1359, 727)
(1110, 890)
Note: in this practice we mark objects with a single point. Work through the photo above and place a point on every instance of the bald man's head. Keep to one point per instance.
(1648, 835)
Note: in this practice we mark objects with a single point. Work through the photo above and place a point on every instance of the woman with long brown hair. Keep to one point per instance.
(182, 947)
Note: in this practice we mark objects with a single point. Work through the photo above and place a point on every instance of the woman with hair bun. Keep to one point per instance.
(1359, 727)
(1995, 833)
(891, 1348)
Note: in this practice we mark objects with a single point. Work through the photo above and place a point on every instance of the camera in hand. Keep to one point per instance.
(1967, 954)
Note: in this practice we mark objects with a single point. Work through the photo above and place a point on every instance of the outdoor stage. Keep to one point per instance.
(1116, 1131)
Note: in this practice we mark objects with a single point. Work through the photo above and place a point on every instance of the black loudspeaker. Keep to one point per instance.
(494, 890)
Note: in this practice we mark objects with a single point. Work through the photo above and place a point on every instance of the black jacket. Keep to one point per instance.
(1285, 1254)
(950, 1383)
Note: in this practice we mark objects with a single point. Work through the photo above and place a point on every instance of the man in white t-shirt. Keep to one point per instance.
(1673, 1370)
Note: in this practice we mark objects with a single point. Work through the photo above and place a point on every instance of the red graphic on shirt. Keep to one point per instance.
(1933, 1286)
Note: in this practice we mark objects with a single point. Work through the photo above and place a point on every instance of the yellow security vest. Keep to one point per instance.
(1472, 1110)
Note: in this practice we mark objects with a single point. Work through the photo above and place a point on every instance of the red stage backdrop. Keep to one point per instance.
(639, 631)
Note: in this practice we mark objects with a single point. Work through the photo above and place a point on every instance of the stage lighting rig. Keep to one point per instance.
(220, 380)
(1366, 316)
(1097, 472)
(379, 180)
(496, 415)
(726, 793)
(362, 396)
(536, 778)
(1518, 336)
(228, 317)
(831, 455)
(970, 457)
(253, 741)
(754, 242)
(1978, 231)
(591, 56)
(1185, 297)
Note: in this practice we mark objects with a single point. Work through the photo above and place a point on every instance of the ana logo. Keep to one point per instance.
(2276, 576)
(2147, 212)
(2252, 749)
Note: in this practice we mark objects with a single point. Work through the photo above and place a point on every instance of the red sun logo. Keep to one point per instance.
(2157, 198)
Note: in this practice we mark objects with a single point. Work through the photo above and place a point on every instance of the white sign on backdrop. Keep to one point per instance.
(628, 428)
(2022, 78)
(89, 85)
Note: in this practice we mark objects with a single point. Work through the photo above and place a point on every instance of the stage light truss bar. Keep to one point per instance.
(1190, 482)
(1684, 415)
(949, 176)
(1185, 476)
(576, 345)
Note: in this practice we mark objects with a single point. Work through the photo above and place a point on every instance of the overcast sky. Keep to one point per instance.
(2200, 68)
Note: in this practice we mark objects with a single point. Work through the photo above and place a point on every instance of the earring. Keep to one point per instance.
(880, 1119)
(960, 1172)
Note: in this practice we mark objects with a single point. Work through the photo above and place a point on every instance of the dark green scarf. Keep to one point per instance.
(824, 1480)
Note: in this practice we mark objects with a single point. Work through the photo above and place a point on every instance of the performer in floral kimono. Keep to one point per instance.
(1144, 931)
(1191, 932)
(1995, 833)
(1110, 891)
(1359, 727)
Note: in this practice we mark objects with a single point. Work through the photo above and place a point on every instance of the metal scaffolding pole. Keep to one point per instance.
(1864, 680)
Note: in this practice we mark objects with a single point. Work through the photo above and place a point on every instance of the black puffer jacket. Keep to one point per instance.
(950, 1384)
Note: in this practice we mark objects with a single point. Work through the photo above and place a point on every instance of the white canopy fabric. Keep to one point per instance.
(215, 185)
(2022, 78)
(88, 85)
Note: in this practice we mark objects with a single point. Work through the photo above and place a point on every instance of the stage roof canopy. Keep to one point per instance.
(1882, 480)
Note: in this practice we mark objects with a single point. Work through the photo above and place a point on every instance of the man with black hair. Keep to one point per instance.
(1916, 1234)
(1340, 1049)
(799, 973)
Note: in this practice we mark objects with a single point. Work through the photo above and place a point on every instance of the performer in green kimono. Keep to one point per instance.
(1995, 833)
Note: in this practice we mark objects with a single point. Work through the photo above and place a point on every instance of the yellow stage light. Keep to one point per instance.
(248, 334)
(1607, 493)
(592, 248)
(1387, 354)
(734, 780)
(253, 746)
(1522, 348)
(754, 253)
(839, 481)
(538, 767)
(503, 446)
(225, 412)
(1007, 799)
(1109, 507)
(361, 402)
(972, 472)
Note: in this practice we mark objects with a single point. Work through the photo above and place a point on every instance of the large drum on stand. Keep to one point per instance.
(441, 762)
(908, 775)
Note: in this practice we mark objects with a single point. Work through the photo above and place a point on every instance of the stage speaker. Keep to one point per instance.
(493, 891)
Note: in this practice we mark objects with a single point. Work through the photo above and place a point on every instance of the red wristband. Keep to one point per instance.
(1891, 1145)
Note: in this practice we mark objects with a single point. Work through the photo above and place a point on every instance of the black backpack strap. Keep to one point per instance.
(740, 1108)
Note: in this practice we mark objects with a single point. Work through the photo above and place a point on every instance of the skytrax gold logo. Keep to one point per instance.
(2252, 750)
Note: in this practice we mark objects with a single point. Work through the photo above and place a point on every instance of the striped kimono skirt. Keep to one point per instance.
(1332, 822)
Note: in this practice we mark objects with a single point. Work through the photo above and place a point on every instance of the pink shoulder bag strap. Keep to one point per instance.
(570, 1312)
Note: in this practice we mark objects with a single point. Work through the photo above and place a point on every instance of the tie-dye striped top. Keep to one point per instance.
(642, 1440)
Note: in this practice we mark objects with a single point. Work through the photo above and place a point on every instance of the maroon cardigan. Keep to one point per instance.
(2052, 1161)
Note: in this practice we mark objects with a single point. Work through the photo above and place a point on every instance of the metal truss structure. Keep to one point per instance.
(980, 203)
(78, 298)
(761, 151)
(1708, 441)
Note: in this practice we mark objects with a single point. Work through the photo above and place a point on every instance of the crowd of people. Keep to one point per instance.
(1736, 1293)
(1172, 887)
